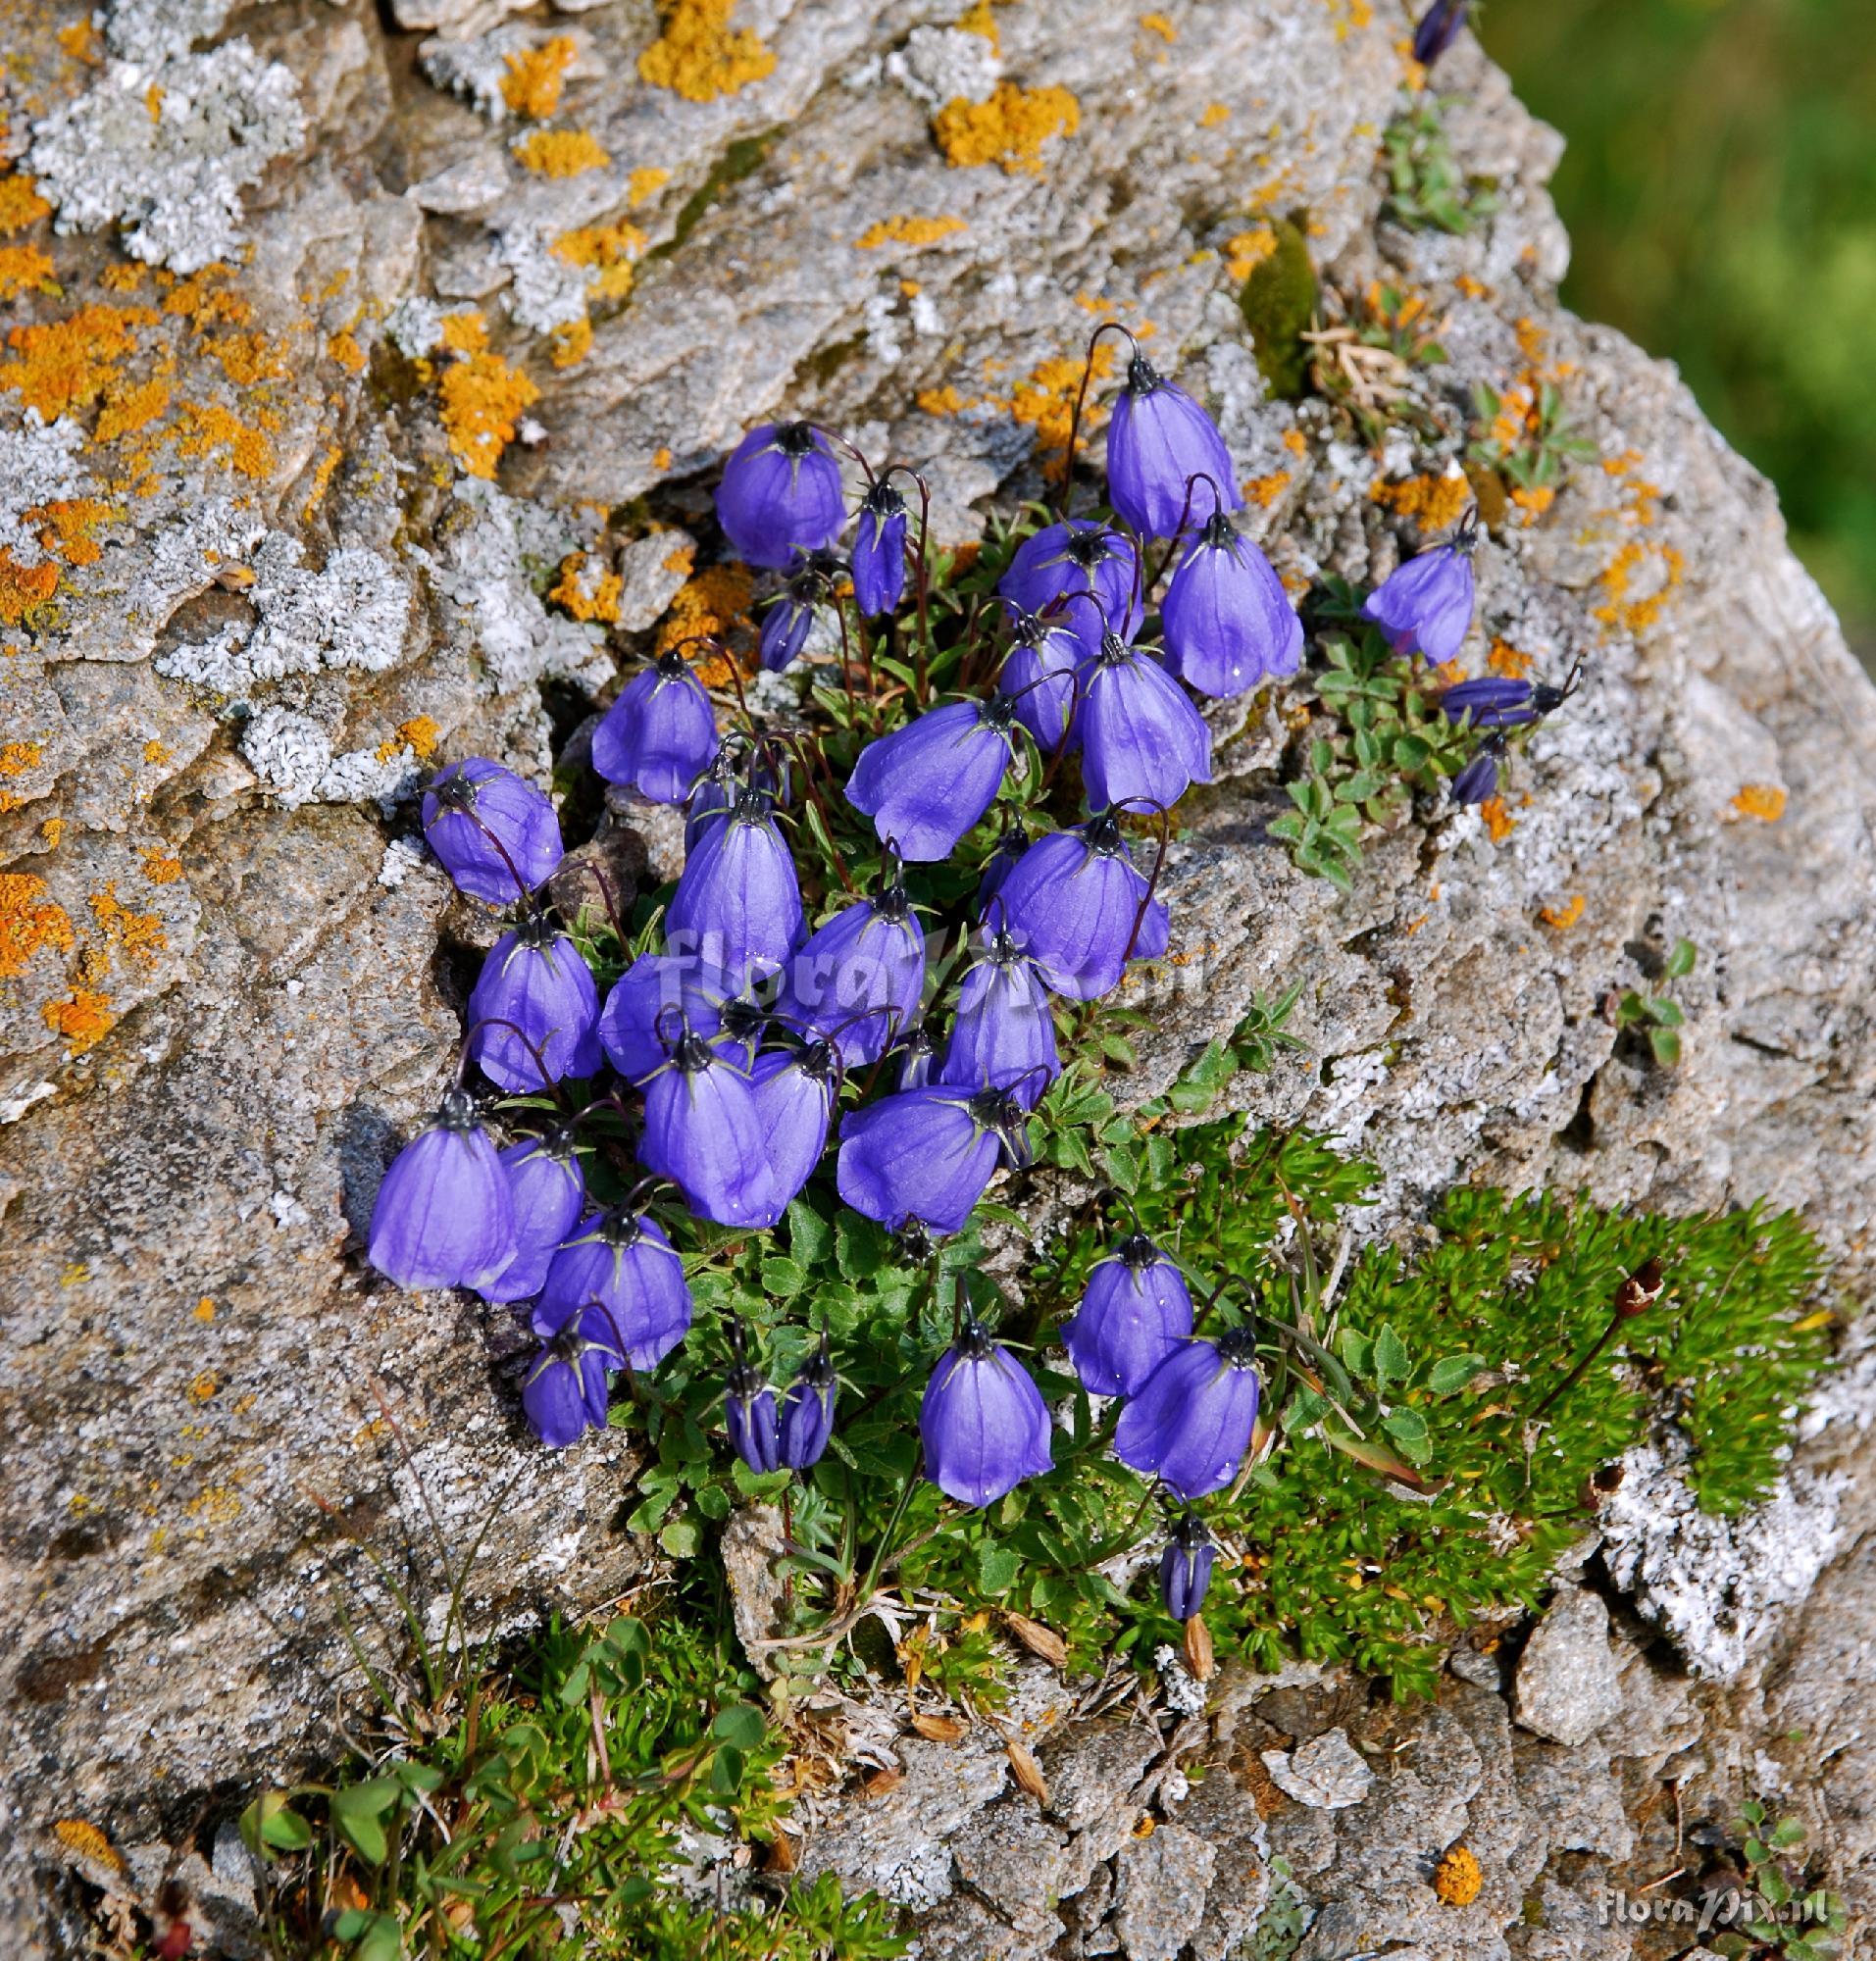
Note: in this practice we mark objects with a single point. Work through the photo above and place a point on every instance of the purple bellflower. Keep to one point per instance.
(660, 736)
(738, 900)
(1158, 440)
(807, 1412)
(704, 1132)
(926, 1154)
(1185, 1567)
(791, 619)
(997, 867)
(534, 979)
(1039, 673)
(1478, 781)
(748, 1411)
(1192, 1420)
(1142, 741)
(718, 787)
(565, 1393)
(780, 493)
(1003, 1033)
(445, 1214)
(621, 1262)
(474, 811)
(1439, 28)
(1228, 620)
(794, 1096)
(549, 1193)
(657, 997)
(858, 978)
(1135, 1311)
(926, 784)
(916, 1052)
(1078, 555)
(1493, 701)
(983, 1423)
(878, 552)
(1078, 907)
(1424, 606)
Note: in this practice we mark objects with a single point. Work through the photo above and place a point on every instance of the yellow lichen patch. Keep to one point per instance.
(322, 477)
(465, 333)
(125, 276)
(1535, 500)
(205, 300)
(1157, 23)
(608, 252)
(81, 1020)
(1456, 1879)
(1351, 16)
(1047, 402)
(126, 411)
(420, 735)
(87, 1840)
(343, 348)
(483, 398)
(22, 269)
(906, 230)
(1295, 443)
(1565, 915)
(572, 342)
(159, 868)
(1764, 801)
(587, 593)
(65, 529)
(205, 1387)
(561, 153)
(700, 56)
(1504, 659)
(204, 1309)
(1245, 251)
(1498, 821)
(714, 602)
(24, 588)
(646, 182)
(19, 759)
(1214, 113)
(208, 427)
(64, 365)
(980, 19)
(1263, 491)
(661, 460)
(1433, 502)
(138, 937)
(1010, 129)
(153, 101)
(30, 920)
(1639, 581)
(537, 76)
(945, 401)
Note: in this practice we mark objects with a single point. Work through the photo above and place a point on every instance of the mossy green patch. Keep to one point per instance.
(1279, 301)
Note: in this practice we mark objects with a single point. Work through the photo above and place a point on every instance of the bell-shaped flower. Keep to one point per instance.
(780, 494)
(1424, 606)
(1135, 1311)
(915, 1053)
(1078, 556)
(564, 1391)
(791, 619)
(928, 784)
(1185, 1567)
(806, 1421)
(495, 835)
(549, 1193)
(621, 1262)
(704, 1132)
(749, 1414)
(1492, 702)
(656, 999)
(858, 978)
(660, 736)
(878, 552)
(1075, 904)
(997, 867)
(1158, 439)
(720, 786)
(1038, 674)
(445, 1214)
(1478, 781)
(534, 988)
(983, 1420)
(1142, 741)
(926, 1154)
(794, 1104)
(1439, 28)
(738, 901)
(1003, 1031)
(1228, 620)
(1192, 1420)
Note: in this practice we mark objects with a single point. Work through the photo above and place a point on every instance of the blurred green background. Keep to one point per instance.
(1720, 192)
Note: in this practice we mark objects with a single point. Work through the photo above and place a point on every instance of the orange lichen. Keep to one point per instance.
(945, 401)
(209, 426)
(22, 269)
(1010, 129)
(537, 76)
(206, 301)
(561, 153)
(1433, 502)
(714, 602)
(343, 348)
(138, 937)
(465, 333)
(1457, 1879)
(980, 19)
(1565, 915)
(588, 596)
(65, 529)
(24, 588)
(700, 56)
(82, 1019)
(644, 182)
(1498, 821)
(661, 460)
(1157, 23)
(421, 736)
(64, 365)
(1295, 443)
(1659, 570)
(159, 868)
(1047, 402)
(483, 398)
(1504, 659)
(19, 759)
(1534, 501)
(30, 920)
(608, 252)
(1245, 251)
(1263, 491)
(1214, 113)
(572, 342)
(906, 230)
(322, 477)
(79, 40)
(126, 411)
(153, 101)
(1764, 801)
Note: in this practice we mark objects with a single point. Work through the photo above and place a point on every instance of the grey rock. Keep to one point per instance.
(1160, 1882)
(1567, 1687)
(1327, 1773)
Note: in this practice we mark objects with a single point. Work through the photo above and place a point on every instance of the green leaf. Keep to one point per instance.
(358, 1815)
(997, 1568)
(727, 1771)
(681, 1538)
(810, 1236)
(377, 1934)
(1392, 1364)
(1408, 1429)
(1666, 1014)
(782, 1278)
(741, 1724)
(270, 1822)
(1453, 1372)
(1789, 1831)
(1666, 1045)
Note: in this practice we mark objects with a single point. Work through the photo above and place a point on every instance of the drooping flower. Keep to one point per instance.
(983, 1420)
(473, 812)
(926, 784)
(660, 736)
(620, 1262)
(1228, 620)
(1002, 1033)
(1439, 28)
(565, 1392)
(445, 1214)
(916, 1052)
(791, 619)
(738, 900)
(780, 493)
(1135, 1312)
(858, 978)
(1492, 702)
(1078, 555)
(1009, 848)
(718, 788)
(1185, 1567)
(535, 987)
(1076, 905)
(1192, 1420)
(807, 1412)
(1424, 606)
(549, 1192)
(926, 1154)
(1142, 741)
(1038, 674)
(794, 1104)
(703, 1131)
(748, 1410)
(878, 552)
(1158, 439)
(1478, 781)
(654, 1001)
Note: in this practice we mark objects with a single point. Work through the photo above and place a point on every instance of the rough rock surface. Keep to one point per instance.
(262, 553)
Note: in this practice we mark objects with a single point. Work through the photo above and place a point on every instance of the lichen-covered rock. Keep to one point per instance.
(1567, 1687)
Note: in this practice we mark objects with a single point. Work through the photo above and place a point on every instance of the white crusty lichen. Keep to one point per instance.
(38, 465)
(414, 327)
(293, 757)
(155, 31)
(164, 150)
(546, 291)
(937, 65)
(474, 69)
